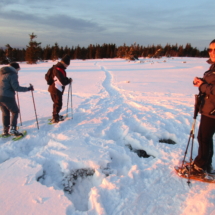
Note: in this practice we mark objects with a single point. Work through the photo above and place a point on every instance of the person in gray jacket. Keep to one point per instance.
(8, 85)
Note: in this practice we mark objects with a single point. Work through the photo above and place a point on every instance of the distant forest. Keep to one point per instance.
(34, 52)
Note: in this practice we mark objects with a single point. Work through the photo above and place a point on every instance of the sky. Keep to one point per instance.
(83, 22)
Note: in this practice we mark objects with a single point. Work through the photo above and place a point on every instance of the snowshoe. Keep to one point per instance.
(194, 173)
(5, 135)
(22, 135)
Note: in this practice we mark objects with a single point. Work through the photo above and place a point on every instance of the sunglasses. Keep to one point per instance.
(210, 50)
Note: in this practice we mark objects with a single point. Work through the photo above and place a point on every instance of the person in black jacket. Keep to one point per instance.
(206, 85)
(57, 88)
(8, 85)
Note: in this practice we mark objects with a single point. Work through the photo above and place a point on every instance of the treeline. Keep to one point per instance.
(34, 52)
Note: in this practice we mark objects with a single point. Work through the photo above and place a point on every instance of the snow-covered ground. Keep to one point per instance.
(89, 165)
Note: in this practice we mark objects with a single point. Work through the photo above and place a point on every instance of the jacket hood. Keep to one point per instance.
(7, 69)
(59, 64)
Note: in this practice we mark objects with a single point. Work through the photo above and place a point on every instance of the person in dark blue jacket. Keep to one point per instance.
(9, 84)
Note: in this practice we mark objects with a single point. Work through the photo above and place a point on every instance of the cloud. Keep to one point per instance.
(193, 28)
(64, 21)
(7, 2)
(54, 21)
(83, 22)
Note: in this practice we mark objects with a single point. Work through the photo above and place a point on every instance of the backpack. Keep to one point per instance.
(49, 76)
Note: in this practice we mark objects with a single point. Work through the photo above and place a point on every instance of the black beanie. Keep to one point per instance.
(15, 65)
(66, 59)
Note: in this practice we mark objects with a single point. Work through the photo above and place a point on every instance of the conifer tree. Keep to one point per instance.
(98, 52)
(180, 51)
(188, 50)
(33, 50)
(90, 51)
(3, 59)
(77, 52)
(21, 55)
(204, 53)
(55, 52)
(72, 51)
(9, 53)
(47, 53)
(61, 52)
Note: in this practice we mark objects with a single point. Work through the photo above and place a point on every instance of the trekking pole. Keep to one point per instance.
(196, 110)
(19, 108)
(191, 151)
(71, 102)
(68, 100)
(188, 143)
(34, 107)
(192, 135)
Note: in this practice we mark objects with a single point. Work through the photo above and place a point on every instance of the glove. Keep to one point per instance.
(197, 82)
(70, 80)
(31, 88)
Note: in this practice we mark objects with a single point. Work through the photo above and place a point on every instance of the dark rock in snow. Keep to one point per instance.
(140, 152)
(69, 179)
(169, 141)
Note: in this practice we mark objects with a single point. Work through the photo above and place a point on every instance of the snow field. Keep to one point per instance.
(84, 165)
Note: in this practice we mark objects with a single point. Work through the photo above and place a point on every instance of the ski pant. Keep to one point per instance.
(8, 105)
(57, 99)
(205, 139)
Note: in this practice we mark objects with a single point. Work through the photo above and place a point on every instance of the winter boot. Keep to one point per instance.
(6, 132)
(14, 132)
(210, 170)
(57, 119)
(194, 170)
(198, 171)
(54, 121)
(61, 117)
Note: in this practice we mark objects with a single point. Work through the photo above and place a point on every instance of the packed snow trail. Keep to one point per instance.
(117, 104)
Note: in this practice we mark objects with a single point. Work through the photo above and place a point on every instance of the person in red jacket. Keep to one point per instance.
(206, 85)
(57, 88)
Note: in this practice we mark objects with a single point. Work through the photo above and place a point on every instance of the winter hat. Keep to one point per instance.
(66, 59)
(15, 65)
